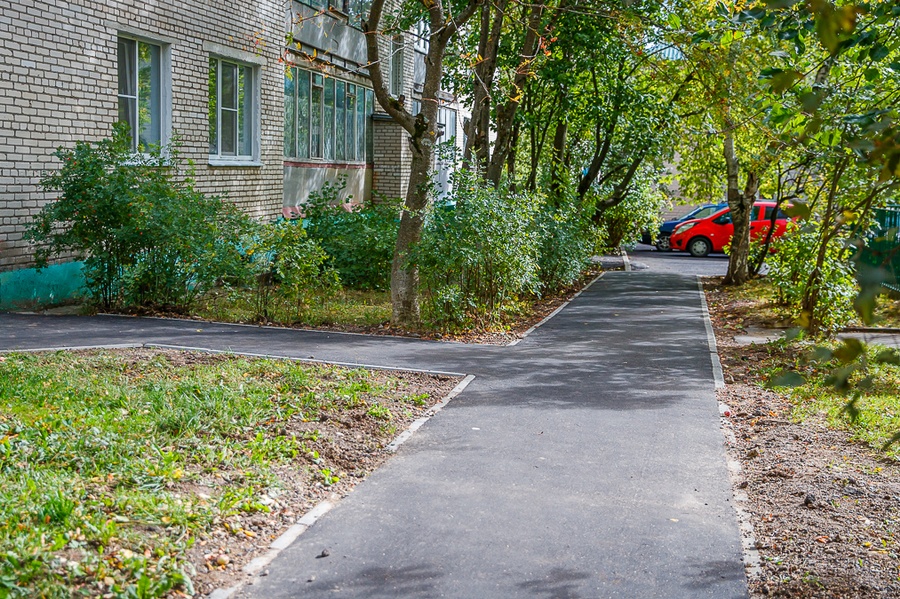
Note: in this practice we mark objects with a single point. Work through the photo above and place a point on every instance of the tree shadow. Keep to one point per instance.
(560, 583)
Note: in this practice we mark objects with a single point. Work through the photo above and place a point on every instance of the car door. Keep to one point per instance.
(719, 230)
(762, 222)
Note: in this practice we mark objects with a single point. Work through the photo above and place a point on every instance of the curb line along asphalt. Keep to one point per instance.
(555, 312)
(256, 565)
(752, 560)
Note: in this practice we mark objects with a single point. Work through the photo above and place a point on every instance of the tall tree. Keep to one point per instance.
(423, 133)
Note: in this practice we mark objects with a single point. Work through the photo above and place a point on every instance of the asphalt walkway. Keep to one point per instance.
(585, 462)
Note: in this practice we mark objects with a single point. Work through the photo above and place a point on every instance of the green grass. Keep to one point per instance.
(345, 307)
(96, 450)
(878, 403)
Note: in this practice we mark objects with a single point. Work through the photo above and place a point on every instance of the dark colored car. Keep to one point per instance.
(665, 229)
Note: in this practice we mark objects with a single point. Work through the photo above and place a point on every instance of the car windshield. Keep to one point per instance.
(702, 212)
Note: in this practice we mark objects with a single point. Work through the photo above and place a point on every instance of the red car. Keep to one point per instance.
(700, 236)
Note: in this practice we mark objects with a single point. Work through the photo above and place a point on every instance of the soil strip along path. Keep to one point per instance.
(585, 462)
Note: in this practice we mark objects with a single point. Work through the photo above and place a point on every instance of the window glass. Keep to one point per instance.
(315, 117)
(329, 119)
(768, 214)
(231, 119)
(351, 122)
(357, 11)
(704, 212)
(245, 113)
(140, 91)
(396, 66)
(290, 106)
(303, 114)
(340, 120)
(213, 106)
(326, 118)
(723, 219)
(370, 108)
(360, 124)
(148, 95)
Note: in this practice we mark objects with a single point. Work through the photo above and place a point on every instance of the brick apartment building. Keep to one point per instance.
(264, 123)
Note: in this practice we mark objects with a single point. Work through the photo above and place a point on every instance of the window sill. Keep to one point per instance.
(234, 162)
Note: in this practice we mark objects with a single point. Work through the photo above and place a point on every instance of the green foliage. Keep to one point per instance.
(623, 223)
(359, 241)
(566, 245)
(146, 235)
(291, 266)
(101, 455)
(479, 257)
(791, 266)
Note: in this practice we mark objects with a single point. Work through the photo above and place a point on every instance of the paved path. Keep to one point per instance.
(585, 462)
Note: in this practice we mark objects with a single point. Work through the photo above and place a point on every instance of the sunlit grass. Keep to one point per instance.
(96, 448)
(344, 307)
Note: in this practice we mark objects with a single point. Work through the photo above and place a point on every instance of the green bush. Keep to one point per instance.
(639, 211)
(792, 262)
(477, 258)
(359, 242)
(146, 236)
(290, 268)
(567, 244)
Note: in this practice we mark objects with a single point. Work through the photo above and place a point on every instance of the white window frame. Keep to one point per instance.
(241, 58)
(396, 64)
(164, 83)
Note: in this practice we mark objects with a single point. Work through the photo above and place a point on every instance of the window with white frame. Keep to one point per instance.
(326, 118)
(397, 66)
(233, 124)
(140, 74)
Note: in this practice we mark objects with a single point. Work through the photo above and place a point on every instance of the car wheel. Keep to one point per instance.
(699, 247)
(662, 243)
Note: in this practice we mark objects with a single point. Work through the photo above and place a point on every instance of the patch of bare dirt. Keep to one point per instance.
(825, 509)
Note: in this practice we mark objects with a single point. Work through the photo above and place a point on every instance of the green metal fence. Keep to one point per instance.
(883, 247)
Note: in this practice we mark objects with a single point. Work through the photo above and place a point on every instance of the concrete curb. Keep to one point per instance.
(295, 359)
(555, 312)
(257, 564)
(718, 375)
(752, 560)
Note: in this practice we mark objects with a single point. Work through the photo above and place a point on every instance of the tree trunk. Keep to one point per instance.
(404, 273)
(557, 165)
(740, 205)
(506, 114)
(422, 129)
(477, 150)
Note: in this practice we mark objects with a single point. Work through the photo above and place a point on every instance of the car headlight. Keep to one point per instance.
(682, 228)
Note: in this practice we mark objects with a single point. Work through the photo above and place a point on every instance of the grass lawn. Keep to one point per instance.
(344, 307)
(132, 473)
(878, 404)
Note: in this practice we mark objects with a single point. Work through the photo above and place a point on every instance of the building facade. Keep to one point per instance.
(264, 122)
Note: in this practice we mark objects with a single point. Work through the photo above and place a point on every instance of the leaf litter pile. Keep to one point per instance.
(824, 505)
(145, 473)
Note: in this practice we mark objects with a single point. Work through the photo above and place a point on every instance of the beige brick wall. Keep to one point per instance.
(58, 84)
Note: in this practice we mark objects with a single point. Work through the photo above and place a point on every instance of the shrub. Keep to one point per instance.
(566, 245)
(478, 257)
(792, 262)
(360, 241)
(146, 236)
(639, 211)
(290, 266)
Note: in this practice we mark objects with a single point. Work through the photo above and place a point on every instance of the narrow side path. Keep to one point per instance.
(585, 462)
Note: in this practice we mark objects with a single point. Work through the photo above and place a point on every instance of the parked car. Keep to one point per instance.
(665, 229)
(700, 236)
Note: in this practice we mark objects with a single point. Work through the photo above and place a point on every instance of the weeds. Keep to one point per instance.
(97, 449)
